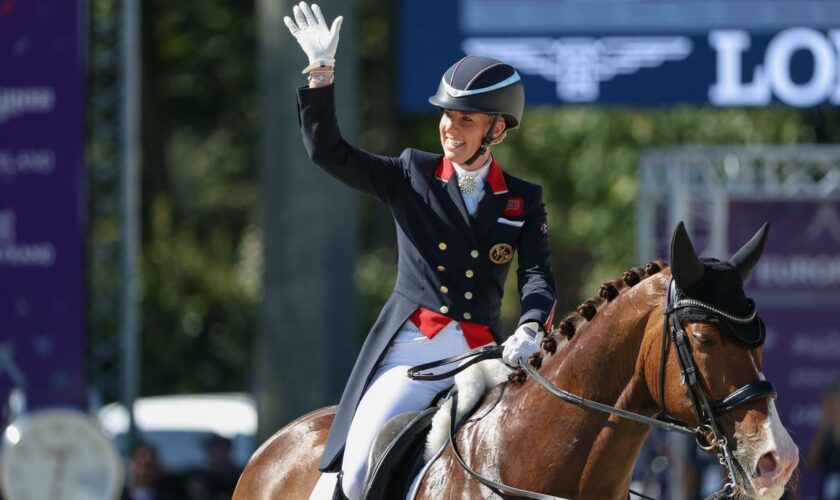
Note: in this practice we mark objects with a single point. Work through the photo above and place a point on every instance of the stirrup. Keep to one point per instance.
(338, 494)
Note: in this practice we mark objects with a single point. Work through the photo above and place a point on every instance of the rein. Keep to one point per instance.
(495, 352)
(706, 412)
(475, 356)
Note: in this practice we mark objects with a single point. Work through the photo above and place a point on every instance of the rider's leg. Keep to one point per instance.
(390, 393)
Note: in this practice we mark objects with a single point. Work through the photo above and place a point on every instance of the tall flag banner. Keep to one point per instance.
(41, 214)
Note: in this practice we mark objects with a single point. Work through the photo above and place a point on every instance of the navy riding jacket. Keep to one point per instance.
(449, 261)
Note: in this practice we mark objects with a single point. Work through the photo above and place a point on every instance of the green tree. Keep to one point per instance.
(201, 254)
(202, 250)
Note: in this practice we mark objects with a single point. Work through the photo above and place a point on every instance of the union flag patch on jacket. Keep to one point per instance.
(515, 206)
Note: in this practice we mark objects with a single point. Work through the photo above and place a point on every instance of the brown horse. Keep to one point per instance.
(609, 351)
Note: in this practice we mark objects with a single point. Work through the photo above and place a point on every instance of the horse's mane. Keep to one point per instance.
(576, 321)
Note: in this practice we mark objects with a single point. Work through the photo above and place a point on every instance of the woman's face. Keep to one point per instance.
(461, 134)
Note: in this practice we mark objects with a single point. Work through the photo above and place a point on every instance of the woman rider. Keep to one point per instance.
(459, 219)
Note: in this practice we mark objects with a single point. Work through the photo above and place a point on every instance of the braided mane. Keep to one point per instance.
(575, 320)
(607, 293)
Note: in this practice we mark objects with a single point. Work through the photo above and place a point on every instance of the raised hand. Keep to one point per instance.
(317, 41)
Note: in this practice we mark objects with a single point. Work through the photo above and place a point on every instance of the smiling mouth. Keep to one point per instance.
(453, 143)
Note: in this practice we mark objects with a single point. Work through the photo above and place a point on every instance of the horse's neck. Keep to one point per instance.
(603, 360)
(602, 363)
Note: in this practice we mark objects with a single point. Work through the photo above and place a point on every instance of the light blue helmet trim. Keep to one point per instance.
(461, 93)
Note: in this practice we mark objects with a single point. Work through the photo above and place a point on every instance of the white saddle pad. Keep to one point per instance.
(472, 384)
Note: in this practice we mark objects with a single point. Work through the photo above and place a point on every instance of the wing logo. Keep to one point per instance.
(578, 65)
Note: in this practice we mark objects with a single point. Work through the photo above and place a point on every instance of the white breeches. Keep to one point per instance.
(391, 392)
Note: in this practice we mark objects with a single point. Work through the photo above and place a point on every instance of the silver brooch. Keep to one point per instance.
(467, 184)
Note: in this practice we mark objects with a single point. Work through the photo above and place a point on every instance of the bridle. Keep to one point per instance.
(707, 413)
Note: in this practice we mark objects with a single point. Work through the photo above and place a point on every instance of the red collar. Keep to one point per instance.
(495, 177)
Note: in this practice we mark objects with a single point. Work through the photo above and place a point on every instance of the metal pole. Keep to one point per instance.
(308, 312)
(646, 212)
(129, 161)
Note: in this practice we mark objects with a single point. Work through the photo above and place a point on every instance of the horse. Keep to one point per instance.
(614, 349)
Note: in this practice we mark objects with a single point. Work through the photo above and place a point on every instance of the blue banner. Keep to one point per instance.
(631, 52)
(41, 215)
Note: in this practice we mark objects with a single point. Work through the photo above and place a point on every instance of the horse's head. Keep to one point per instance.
(722, 336)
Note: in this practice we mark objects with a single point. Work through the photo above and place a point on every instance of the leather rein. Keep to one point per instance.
(707, 413)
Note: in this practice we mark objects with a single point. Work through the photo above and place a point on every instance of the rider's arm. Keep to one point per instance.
(366, 172)
(535, 278)
(359, 169)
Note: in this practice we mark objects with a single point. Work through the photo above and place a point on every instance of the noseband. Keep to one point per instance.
(707, 413)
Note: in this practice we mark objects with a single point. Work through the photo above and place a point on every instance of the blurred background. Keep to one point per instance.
(166, 246)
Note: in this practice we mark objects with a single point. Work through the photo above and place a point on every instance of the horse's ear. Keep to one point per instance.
(685, 266)
(747, 257)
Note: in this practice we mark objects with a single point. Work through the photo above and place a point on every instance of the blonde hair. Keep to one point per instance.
(498, 140)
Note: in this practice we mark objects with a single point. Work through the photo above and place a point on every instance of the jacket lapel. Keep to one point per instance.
(488, 211)
(454, 193)
(494, 199)
(449, 195)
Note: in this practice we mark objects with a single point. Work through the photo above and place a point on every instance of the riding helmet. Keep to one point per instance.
(478, 84)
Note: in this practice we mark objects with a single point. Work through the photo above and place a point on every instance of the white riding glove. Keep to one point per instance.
(312, 34)
(524, 342)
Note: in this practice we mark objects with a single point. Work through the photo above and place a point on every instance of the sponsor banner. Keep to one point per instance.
(796, 286)
(638, 52)
(41, 218)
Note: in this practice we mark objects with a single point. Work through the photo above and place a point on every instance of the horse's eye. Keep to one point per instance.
(705, 339)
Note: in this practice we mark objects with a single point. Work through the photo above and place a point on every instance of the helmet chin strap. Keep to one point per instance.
(485, 143)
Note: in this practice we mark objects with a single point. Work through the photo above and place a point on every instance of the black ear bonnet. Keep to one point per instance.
(722, 288)
(719, 286)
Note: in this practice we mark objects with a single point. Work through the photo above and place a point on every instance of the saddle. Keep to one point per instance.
(397, 455)
(405, 443)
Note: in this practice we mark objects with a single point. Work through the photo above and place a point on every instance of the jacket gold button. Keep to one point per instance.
(444, 309)
(442, 246)
(467, 316)
(469, 273)
(441, 268)
(474, 254)
(468, 295)
(443, 289)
